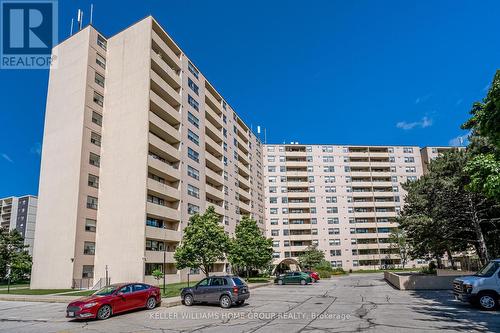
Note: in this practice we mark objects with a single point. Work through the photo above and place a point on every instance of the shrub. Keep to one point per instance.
(324, 274)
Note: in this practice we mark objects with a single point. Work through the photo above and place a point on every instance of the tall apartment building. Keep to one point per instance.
(344, 199)
(430, 153)
(136, 140)
(20, 213)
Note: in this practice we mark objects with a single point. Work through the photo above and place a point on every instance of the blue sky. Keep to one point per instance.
(357, 72)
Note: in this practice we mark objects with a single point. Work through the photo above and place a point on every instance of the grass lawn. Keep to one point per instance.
(174, 289)
(80, 293)
(25, 285)
(27, 291)
(384, 270)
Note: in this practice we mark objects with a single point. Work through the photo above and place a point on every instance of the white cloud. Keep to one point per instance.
(7, 158)
(461, 140)
(36, 149)
(423, 123)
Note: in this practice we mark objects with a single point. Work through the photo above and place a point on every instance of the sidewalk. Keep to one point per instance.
(165, 302)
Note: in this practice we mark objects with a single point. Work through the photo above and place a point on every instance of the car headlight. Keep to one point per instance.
(89, 305)
(468, 288)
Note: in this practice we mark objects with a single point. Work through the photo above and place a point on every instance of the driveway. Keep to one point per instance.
(354, 303)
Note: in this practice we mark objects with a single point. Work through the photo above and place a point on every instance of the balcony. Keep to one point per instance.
(213, 102)
(213, 193)
(303, 194)
(169, 192)
(213, 132)
(166, 170)
(305, 215)
(297, 173)
(218, 209)
(157, 256)
(163, 234)
(297, 163)
(162, 212)
(244, 169)
(243, 181)
(172, 57)
(213, 162)
(213, 117)
(298, 204)
(243, 158)
(244, 194)
(163, 109)
(244, 208)
(167, 131)
(166, 71)
(213, 147)
(163, 146)
(161, 87)
(214, 177)
(306, 237)
(243, 145)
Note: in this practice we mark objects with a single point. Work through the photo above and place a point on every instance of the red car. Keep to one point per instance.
(314, 275)
(113, 299)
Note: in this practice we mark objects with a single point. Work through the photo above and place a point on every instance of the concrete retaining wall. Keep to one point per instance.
(412, 281)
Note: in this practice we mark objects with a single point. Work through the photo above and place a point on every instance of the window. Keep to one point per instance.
(273, 200)
(331, 199)
(96, 118)
(272, 189)
(150, 267)
(154, 245)
(156, 200)
(335, 253)
(95, 139)
(192, 172)
(90, 225)
(193, 120)
(93, 181)
(329, 179)
(276, 243)
(410, 159)
(194, 137)
(193, 191)
(98, 98)
(99, 59)
(330, 189)
(152, 222)
(193, 155)
(193, 86)
(411, 178)
(271, 169)
(333, 220)
(334, 242)
(272, 179)
(89, 248)
(88, 272)
(273, 211)
(94, 160)
(331, 210)
(408, 150)
(275, 232)
(193, 103)
(99, 79)
(193, 70)
(102, 42)
(193, 209)
(327, 149)
(91, 202)
(274, 221)
(410, 169)
(333, 231)
(329, 168)
(271, 158)
(328, 158)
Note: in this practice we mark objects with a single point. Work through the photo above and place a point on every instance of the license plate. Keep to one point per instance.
(71, 314)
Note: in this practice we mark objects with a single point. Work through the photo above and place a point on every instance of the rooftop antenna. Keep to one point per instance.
(71, 31)
(91, 12)
(265, 136)
(80, 19)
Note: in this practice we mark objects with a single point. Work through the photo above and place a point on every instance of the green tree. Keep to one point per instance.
(440, 216)
(311, 257)
(484, 164)
(399, 241)
(250, 249)
(157, 274)
(203, 244)
(13, 254)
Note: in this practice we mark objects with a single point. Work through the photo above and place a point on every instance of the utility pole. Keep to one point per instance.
(164, 270)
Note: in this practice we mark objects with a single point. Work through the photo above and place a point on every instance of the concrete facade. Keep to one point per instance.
(125, 163)
(342, 198)
(20, 213)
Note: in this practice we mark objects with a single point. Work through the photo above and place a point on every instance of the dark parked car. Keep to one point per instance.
(113, 299)
(225, 290)
(293, 277)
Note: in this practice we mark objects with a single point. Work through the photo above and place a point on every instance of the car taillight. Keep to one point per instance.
(235, 290)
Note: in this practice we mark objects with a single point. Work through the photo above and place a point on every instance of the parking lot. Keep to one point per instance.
(355, 303)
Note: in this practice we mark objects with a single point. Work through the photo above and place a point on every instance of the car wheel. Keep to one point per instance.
(280, 282)
(104, 312)
(188, 300)
(225, 302)
(151, 303)
(487, 301)
(303, 282)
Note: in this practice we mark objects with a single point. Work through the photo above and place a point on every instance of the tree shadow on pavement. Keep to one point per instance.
(448, 314)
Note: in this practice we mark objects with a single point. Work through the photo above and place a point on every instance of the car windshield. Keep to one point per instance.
(106, 291)
(489, 269)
